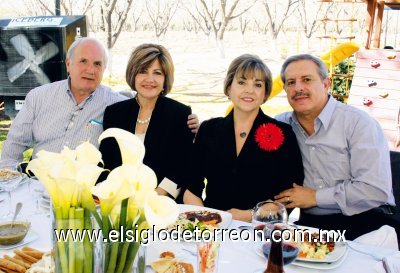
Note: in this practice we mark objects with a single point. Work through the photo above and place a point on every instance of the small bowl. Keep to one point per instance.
(14, 235)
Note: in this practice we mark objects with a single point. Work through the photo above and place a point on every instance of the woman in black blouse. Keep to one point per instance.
(160, 122)
(246, 157)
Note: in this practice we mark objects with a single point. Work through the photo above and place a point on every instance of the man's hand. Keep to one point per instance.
(193, 123)
(298, 196)
(239, 214)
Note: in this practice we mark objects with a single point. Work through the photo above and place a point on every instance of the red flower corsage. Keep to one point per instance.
(269, 137)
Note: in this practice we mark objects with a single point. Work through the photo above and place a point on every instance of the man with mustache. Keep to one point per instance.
(346, 158)
(67, 112)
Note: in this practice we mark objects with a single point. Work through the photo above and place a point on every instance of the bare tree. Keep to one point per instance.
(226, 14)
(244, 22)
(161, 14)
(261, 27)
(277, 13)
(309, 16)
(199, 16)
(47, 7)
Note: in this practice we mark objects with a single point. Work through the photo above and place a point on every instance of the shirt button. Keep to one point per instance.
(313, 148)
(320, 187)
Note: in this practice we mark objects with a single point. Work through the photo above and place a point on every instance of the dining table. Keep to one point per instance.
(234, 256)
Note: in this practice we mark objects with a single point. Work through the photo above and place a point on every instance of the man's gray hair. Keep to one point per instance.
(322, 70)
(77, 42)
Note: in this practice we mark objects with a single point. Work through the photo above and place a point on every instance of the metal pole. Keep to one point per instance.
(58, 7)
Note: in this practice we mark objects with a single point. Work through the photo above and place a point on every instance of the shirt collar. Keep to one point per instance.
(69, 92)
(326, 114)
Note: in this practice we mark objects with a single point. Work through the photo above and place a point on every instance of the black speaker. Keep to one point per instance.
(33, 52)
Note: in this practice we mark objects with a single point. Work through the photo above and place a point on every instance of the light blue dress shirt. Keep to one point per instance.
(346, 160)
(51, 119)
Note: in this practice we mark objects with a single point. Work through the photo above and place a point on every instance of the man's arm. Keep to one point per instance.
(20, 136)
(370, 182)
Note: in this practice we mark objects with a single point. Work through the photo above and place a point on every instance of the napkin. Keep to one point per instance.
(382, 245)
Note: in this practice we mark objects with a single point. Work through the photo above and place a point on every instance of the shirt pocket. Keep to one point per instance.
(337, 168)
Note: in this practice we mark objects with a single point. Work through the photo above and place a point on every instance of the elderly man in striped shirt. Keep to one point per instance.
(67, 112)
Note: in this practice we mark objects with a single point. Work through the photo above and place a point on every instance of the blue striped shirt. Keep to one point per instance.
(346, 160)
(51, 119)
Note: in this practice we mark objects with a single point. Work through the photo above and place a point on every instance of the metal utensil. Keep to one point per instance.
(18, 208)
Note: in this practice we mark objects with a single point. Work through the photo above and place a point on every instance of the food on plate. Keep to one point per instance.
(168, 264)
(316, 248)
(201, 219)
(208, 254)
(26, 260)
(167, 254)
(8, 174)
(207, 217)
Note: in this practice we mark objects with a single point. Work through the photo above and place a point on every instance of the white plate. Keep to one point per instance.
(30, 237)
(339, 251)
(334, 256)
(226, 216)
(321, 266)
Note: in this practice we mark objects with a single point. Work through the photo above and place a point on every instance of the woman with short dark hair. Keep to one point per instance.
(246, 157)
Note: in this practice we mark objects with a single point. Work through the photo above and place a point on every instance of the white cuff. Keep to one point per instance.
(170, 187)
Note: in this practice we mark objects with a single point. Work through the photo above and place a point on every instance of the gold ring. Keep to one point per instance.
(288, 199)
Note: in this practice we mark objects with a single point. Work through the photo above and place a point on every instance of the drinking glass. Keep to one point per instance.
(266, 212)
(285, 232)
(36, 190)
(207, 257)
(10, 178)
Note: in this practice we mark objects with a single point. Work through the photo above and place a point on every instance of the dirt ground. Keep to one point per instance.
(199, 68)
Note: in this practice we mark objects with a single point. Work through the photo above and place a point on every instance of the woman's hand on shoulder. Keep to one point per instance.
(193, 123)
(240, 214)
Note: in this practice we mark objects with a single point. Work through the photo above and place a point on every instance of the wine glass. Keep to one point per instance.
(268, 211)
(279, 232)
(36, 190)
(10, 178)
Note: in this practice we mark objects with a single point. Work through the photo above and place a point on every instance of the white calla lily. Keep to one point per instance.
(160, 211)
(145, 183)
(131, 147)
(42, 173)
(86, 152)
(110, 193)
(87, 174)
(126, 173)
(68, 153)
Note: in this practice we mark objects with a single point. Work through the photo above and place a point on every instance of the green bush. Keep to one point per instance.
(339, 83)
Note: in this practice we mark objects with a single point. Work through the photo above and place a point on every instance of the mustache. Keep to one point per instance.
(300, 94)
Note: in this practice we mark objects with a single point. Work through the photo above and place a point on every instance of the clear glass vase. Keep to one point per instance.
(73, 255)
(122, 257)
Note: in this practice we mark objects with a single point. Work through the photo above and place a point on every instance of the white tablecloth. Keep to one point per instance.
(235, 257)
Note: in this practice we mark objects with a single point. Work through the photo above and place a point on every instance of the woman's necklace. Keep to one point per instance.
(143, 121)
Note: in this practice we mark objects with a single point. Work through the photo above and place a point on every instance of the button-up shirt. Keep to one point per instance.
(51, 119)
(346, 160)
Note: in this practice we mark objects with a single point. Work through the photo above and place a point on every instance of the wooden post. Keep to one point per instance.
(369, 21)
(378, 25)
